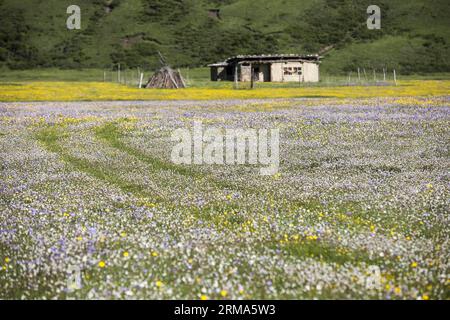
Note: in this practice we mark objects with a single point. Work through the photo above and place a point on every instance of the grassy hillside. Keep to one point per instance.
(414, 35)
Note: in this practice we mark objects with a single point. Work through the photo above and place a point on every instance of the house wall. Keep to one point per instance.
(245, 74)
(292, 71)
(276, 72)
(310, 72)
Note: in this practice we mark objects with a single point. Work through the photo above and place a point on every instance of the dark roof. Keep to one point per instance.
(266, 58)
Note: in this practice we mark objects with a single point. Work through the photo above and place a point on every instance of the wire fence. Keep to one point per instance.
(137, 77)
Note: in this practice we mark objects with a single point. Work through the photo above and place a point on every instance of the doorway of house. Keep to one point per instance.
(256, 74)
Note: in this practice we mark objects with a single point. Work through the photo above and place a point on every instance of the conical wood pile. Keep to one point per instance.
(166, 78)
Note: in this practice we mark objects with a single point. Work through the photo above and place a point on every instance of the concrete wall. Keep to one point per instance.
(245, 73)
(310, 72)
(295, 68)
(276, 72)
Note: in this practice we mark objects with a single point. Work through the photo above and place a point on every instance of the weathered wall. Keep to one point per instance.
(310, 72)
(293, 68)
(280, 72)
(276, 72)
(245, 74)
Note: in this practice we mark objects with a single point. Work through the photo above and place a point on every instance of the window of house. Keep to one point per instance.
(289, 71)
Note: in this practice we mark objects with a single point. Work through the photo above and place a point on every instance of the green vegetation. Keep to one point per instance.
(195, 77)
(414, 35)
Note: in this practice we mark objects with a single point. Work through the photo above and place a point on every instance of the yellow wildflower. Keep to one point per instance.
(159, 284)
(102, 264)
(203, 297)
(125, 254)
(223, 293)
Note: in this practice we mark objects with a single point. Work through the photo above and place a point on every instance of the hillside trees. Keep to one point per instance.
(15, 52)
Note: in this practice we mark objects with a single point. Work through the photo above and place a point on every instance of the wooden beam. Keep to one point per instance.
(140, 81)
(236, 76)
(251, 77)
(181, 78)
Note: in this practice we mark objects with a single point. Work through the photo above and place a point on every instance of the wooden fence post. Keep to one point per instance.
(140, 81)
(236, 76)
(187, 76)
(251, 76)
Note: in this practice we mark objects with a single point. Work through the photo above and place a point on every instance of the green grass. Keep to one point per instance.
(195, 77)
(51, 74)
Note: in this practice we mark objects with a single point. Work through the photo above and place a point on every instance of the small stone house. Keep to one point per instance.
(268, 68)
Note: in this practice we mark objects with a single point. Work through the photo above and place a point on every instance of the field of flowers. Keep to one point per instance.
(105, 91)
(92, 207)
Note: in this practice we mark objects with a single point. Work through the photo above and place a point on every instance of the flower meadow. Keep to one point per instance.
(91, 207)
(106, 91)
